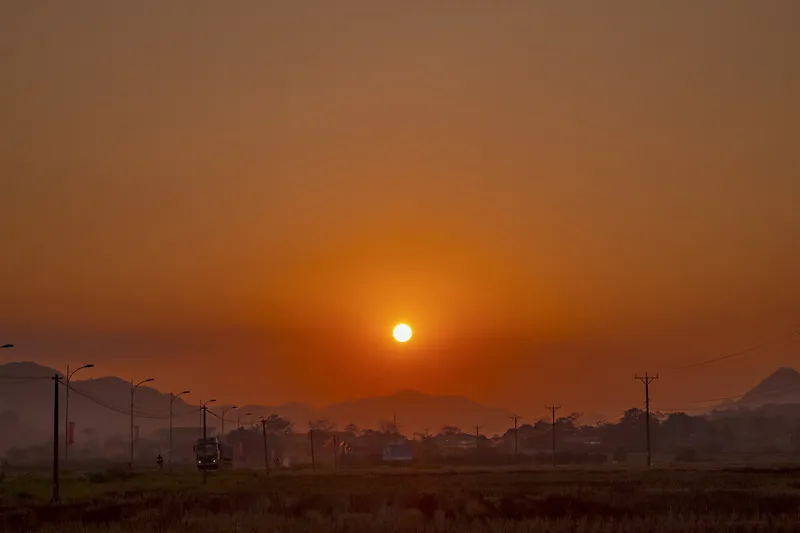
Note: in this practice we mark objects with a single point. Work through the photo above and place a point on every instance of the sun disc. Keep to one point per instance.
(402, 332)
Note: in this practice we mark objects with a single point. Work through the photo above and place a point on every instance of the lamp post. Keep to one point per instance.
(172, 398)
(205, 410)
(133, 389)
(222, 433)
(7, 346)
(239, 419)
(266, 450)
(66, 411)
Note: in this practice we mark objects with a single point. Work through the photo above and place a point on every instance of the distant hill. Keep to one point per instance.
(416, 412)
(780, 387)
(100, 408)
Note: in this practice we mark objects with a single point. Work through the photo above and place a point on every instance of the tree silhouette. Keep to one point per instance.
(324, 426)
(277, 424)
(450, 430)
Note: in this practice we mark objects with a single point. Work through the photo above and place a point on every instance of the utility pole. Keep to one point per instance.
(266, 452)
(647, 380)
(205, 410)
(66, 410)
(56, 481)
(311, 440)
(133, 390)
(553, 409)
(66, 418)
(172, 398)
(515, 418)
(131, 458)
(477, 435)
(335, 452)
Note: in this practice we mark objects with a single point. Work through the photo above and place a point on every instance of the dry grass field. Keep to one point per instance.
(731, 500)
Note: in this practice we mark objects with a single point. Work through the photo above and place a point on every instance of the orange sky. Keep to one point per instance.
(243, 198)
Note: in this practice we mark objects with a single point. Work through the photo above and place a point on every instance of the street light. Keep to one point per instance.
(222, 433)
(205, 410)
(266, 450)
(239, 419)
(133, 389)
(172, 398)
(66, 407)
(7, 346)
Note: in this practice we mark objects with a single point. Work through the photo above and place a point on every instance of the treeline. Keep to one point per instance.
(766, 430)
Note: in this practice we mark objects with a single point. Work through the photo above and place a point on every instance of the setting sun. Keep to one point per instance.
(402, 332)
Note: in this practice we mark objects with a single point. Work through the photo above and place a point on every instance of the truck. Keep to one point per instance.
(213, 454)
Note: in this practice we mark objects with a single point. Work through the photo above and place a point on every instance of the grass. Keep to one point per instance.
(507, 500)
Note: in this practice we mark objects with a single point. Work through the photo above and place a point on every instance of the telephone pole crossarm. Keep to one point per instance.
(553, 409)
(647, 380)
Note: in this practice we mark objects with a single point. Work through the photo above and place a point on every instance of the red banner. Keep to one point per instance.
(71, 433)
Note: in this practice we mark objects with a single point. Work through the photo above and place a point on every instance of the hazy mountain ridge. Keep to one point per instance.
(416, 411)
(100, 407)
(780, 387)
(32, 400)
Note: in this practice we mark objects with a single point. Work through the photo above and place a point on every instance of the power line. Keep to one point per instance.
(32, 378)
(140, 412)
(767, 392)
(187, 413)
(113, 407)
(679, 409)
(745, 351)
(21, 382)
(773, 393)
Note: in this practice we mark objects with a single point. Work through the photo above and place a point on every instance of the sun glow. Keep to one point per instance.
(402, 332)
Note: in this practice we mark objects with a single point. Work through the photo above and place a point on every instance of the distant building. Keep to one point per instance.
(397, 452)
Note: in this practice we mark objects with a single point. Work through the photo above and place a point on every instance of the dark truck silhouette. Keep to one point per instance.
(212, 454)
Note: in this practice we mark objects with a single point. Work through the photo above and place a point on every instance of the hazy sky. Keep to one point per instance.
(243, 197)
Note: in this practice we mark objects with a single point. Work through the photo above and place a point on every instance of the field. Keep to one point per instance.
(492, 500)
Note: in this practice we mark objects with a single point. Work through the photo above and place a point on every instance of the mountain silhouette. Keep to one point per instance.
(100, 408)
(780, 387)
(417, 412)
